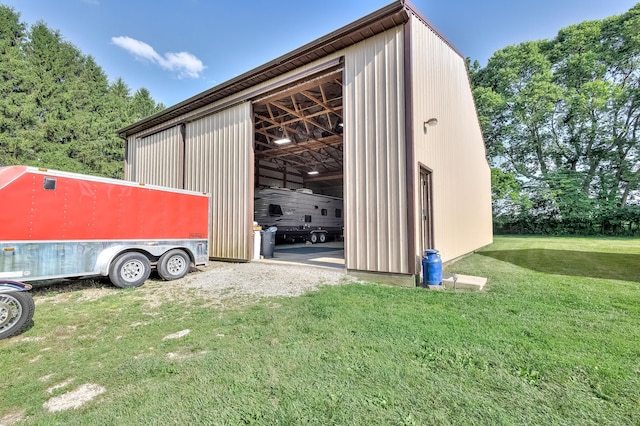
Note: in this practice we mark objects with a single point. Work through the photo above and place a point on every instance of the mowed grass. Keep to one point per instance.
(554, 339)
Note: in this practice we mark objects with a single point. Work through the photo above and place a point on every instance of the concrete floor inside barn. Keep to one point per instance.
(328, 255)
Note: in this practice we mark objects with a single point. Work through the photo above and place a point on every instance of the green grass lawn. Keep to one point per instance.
(554, 339)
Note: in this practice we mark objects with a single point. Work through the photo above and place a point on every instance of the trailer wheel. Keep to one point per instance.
(322, 237)
(16, 313)
(130, 270)
(173, 265)
(313, 238)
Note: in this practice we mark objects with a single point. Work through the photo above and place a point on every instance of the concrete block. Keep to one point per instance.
(463, 282)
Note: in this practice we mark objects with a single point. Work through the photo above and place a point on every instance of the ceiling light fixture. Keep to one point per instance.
(313, 172)
(282, 141)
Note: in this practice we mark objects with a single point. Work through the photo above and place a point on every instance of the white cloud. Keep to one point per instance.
(184, 63)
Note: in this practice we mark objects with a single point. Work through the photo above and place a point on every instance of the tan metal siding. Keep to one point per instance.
(374, 151)
(155, 159)
(219, 160)
(129, 157)
(453, 149)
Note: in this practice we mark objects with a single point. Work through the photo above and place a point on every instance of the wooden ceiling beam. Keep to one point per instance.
(294, 131)
(317, 106)
(302, 117)
(287, 122)
(300, 114)
(337, 159)
(324, 105)
(333, 78)
(295, 150)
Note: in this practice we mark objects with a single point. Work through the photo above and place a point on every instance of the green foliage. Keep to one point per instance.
(57, 108)
(563, 116)
(504, 185)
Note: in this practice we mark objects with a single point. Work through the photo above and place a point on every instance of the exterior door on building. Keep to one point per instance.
(426, 206)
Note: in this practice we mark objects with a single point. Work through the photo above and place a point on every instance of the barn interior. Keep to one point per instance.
(298, 145)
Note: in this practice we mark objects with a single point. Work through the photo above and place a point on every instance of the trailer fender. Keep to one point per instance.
(107, 256)
(16, 308)
(7, 286)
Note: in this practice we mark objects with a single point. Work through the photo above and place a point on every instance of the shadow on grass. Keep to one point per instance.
(612, 266)
(68, 285)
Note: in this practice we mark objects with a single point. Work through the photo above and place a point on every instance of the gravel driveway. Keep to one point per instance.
(263, 278)
(217, 283)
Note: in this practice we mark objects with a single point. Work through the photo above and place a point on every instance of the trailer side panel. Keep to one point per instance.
(298, 214)
(42, 205)
(65, 225)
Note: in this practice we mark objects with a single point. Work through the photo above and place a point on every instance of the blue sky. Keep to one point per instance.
(178, 48)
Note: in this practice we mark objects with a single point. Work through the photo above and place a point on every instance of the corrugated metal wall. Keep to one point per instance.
(267, 176)
(453, 149)
(155, 159)
(219, 160)
(374, 151)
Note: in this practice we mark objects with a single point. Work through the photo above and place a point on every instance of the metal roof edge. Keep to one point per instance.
(433, 28)
(369, 19)
(187, 105)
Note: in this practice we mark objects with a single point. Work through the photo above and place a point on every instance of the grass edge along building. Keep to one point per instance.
(379, 112)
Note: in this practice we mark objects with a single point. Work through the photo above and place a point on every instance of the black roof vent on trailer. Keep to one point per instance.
(49, 183)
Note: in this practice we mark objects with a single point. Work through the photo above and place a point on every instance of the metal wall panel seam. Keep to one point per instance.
(375, 217)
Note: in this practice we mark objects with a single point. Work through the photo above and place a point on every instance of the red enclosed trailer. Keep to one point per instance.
(59, 225)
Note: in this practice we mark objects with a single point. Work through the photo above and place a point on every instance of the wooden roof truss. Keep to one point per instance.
(311, 117)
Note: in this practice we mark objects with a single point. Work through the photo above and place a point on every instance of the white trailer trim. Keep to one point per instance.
(45, 260)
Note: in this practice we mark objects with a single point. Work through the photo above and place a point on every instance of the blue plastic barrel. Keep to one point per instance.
(431, 268)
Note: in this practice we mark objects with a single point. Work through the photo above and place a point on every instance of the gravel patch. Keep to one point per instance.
(264, 279)
(217, 283)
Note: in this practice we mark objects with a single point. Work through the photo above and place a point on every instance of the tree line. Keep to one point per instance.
(57, 107)
(561, 122)
(560, 118)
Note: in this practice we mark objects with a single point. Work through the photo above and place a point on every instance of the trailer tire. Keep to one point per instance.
(313, 238)
(173, 265)
(130, 269)
(322, 237)
(16, 313)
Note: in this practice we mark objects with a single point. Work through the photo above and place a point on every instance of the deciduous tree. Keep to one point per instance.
(563, 116)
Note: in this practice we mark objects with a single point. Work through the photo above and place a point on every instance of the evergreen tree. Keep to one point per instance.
(13, 71)
(57, 108)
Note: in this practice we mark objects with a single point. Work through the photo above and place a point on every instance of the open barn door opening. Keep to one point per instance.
(299, 171)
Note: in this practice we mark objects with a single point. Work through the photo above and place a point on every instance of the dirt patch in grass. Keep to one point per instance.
(74, 399)
(177, 335)
(12, 417)
(60, 385)
(56, 292)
